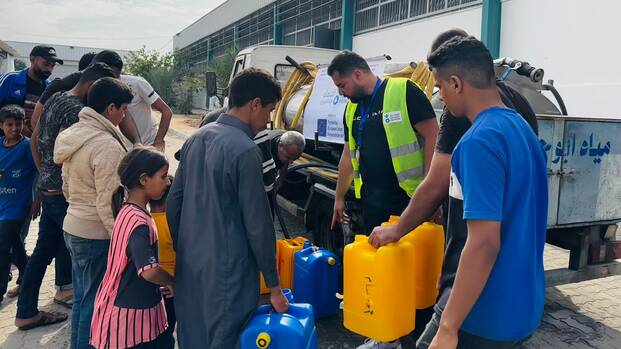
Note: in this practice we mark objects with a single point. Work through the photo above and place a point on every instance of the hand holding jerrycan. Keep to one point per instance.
(294, 328)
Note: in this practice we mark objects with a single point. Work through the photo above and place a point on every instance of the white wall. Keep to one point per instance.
(411, 41)
(7, 64)
(576, 43)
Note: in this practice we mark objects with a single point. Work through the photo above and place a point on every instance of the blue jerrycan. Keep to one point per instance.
(316, 280)
(268, 329)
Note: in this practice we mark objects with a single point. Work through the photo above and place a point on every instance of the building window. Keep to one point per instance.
(296, 18)
(371, 14)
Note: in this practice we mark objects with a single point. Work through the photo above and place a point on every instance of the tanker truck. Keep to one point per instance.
(583, 162)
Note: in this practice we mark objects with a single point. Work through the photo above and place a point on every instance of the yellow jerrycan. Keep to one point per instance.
(428, 242)
(285, 254)
(379, 290)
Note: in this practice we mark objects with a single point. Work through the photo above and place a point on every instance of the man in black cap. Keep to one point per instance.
(24, 87)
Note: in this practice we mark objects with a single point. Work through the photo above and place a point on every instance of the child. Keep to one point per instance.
(129, 312)
(167, 261)
(17, 174)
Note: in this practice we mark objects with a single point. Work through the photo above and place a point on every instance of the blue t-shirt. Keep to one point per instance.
(499, 171)
(18, 174)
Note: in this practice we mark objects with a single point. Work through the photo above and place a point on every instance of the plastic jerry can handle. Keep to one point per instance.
(263, 340)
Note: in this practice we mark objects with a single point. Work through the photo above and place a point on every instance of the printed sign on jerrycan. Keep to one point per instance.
(379, 289)
(293, 329)
(316, 279)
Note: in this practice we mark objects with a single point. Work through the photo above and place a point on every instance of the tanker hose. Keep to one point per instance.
(419, 74)
(296, 80)
(283, 225)
(277, 209)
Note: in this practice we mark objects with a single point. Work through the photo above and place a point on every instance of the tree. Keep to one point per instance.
(19, 64)
(169, 74)
(222, 66)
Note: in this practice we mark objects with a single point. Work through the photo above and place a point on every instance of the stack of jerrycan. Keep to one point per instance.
(285, 253)
(316, 279)
(293, 329)
(428, 241)
(383, 287)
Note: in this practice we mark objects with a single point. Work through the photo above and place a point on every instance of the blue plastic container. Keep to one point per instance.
(293, 329)
(316, 280)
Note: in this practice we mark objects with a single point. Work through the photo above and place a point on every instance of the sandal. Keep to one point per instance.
(66, 302)
(47, 318)
(14, 292)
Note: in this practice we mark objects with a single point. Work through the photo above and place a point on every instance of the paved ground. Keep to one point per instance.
(578, 315)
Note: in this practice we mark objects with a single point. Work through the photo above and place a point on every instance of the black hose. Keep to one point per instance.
(559, 99)
(285, 230)
(312, 164)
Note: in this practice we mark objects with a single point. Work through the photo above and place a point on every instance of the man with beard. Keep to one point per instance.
(390, 134)
(24, 87)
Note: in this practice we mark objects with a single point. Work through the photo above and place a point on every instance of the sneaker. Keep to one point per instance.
(373, 344)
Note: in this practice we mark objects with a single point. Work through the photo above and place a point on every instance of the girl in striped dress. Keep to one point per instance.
(129, 311)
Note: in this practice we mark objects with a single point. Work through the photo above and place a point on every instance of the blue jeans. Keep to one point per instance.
(89, 259)
(50, 245)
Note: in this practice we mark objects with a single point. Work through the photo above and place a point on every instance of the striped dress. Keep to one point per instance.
(115, 324)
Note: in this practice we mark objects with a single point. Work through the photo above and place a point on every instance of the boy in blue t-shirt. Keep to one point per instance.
(498, 174)
(17, 174)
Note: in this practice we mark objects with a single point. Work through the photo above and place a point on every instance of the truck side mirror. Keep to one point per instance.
(211, 83)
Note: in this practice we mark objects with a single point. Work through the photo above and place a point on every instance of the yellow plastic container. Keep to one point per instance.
(286, 257)
(285, 253)
(428, 242)
(379, 289)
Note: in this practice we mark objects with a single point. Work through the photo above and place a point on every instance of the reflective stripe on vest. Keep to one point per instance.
(406, 153)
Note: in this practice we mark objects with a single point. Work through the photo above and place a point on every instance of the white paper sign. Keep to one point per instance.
(325, 109)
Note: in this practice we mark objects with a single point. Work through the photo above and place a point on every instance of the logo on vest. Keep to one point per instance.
(393, 116)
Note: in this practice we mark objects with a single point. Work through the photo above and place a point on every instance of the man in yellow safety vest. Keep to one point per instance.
(390, 134)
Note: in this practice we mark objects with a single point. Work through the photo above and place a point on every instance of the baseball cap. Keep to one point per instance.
(47, 52)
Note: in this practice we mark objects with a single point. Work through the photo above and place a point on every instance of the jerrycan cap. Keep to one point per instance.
(288, 294)
(331, 261)
(263, 340)
(360, 238)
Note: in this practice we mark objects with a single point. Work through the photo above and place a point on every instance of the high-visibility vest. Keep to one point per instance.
(406, 153)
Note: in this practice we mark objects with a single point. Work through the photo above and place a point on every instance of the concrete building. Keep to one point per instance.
(572, 40)
(7, 57)
(69, 54)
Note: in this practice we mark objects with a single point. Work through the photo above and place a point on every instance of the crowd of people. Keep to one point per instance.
(140, 253)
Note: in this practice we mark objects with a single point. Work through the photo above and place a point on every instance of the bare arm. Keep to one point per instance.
(158, 276)
(34, 145)
(476, 262)
(36, 115)
(425, 201)
(346, 175)
(428, 129)
(129, 130)
(167, 114)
